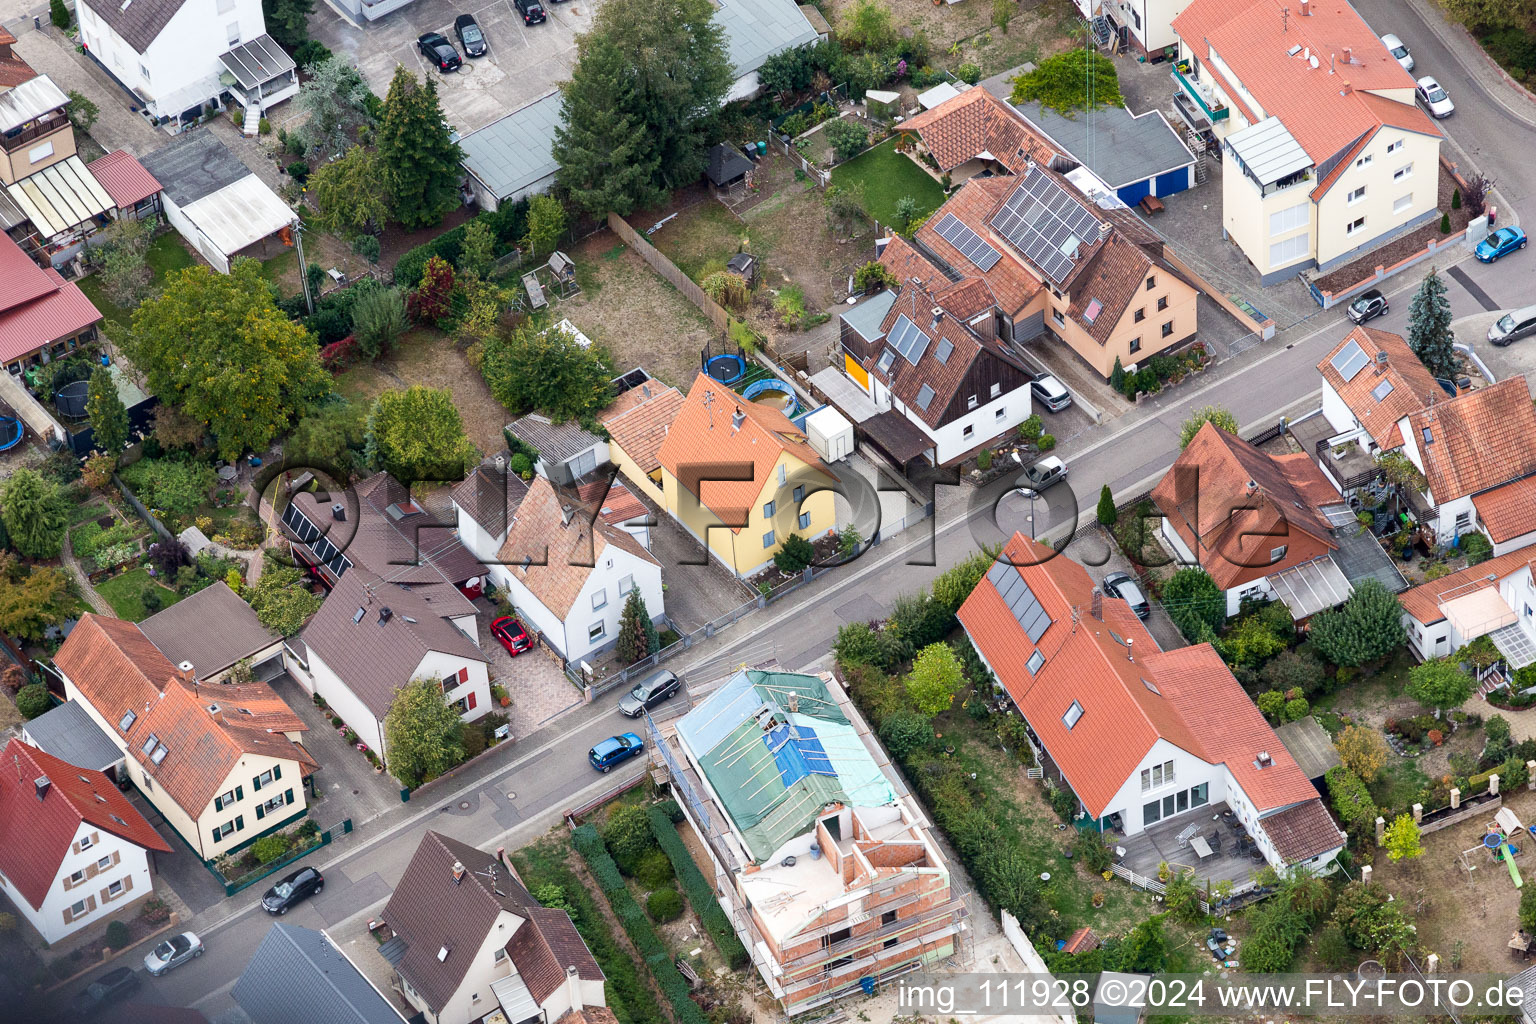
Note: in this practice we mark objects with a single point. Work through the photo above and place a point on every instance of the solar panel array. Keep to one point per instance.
(310, 534)
(1020, 600)
(971, 245)
(1350, 360)
(908, 339)
(1046, 223)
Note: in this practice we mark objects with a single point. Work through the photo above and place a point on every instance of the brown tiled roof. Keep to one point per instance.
(212, 629)
(1423, 601)
(1082, 939)
(253, 705)
(1206, 497)
(703, 440)
(489, 494)
(374, 660)
(638, 421)
(1412, 385)
(976, 122)
(113, 664)
(611, 501)
(1302, 832)
(965, 298)
(555, 442)
(432, 913)
(1478, 440)
(1011, 283)
(140, 22)
(1508, 512)
(35, 835)
(561, 554)
(13, 70)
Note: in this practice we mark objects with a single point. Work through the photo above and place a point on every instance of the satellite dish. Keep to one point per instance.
(1312, 61)
(472, 582)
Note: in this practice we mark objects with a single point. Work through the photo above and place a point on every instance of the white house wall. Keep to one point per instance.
(570, 636)
(950, 440)
(345, 704)
(1525, 540)
(437, 665)
(188, 230)
(485, 547)
(1188, 771)
(132, 868)
(1429, 641)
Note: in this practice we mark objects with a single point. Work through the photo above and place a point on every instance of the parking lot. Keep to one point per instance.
(524, 62)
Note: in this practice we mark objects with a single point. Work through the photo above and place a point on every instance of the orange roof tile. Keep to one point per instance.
(113, 664)
(1411, 384)
(1232, 528)
(976, 123)
(639, 419)
(1477, 440)
(13, 70)
(1423, 601)
(613, 501)
(1508, 512)
(704, 445)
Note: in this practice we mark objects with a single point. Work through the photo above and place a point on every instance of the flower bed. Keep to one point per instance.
(267, 855)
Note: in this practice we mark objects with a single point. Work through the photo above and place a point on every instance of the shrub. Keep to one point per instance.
(1046, 442)
(1031, 429)
(847, 137)
(1352, 802)
(1272, 703)
(968, 73)
(654, 870)
(664, 905)
(905, 732)
(700, 895)
(1477, 548)
(118, 935)
(728, 289)
(1445, 223)
(952, 586)
(33, 700)
(984, 459)
(627, 835)
(270, 848)
(1297, 708)
(1362, 750)
(794, 555)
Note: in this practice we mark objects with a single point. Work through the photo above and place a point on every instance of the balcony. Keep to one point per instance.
(33, 131)
(1200, 93)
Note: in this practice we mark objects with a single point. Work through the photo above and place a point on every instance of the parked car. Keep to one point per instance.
(649, 692)
(1368, 306)
(1501, 243)
(531, 10)
(291, 891)
(511, 634)
(1050, 392)
(1123, 585)
(1434, 98)
(470, 37)
(1512, 326)
(1049, 470)
(615, 750)
(436, 48)
(1396, 48)
(108, 988)
(172, 952)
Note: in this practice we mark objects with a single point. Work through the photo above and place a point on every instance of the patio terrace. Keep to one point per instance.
(1160, 843)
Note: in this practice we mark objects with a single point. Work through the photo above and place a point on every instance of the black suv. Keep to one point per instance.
(436, 48)
(648, 693)
(531, 10)
(108, 988)
(300, 885)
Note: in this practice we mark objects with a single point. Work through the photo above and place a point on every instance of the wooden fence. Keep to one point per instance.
(667, 269)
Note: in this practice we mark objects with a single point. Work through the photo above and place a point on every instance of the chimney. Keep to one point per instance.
(566, 512)
(738, 418)
(573, 987)
(41, 784)
(339, 512)
(1306, 53)
(1104, 230)
(938, 313)
(385, 614)
(1331, 58)
(458, 872)
(1252, 488)
(1096, 609)
(1347, 88)
(501, 463)
(1348, 51)
(1263, 760)
(1306, 9)
(185, 666)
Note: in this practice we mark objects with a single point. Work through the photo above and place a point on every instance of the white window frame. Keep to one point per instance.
(1405, 171)
(1393, 147)
(85, 843)
(1355, 195)
(1356, 225)
(1290, 219)
(104, 863)
(115, 888)
(499, 955)
(1364, 161)
(1289, 250)
(997, 389)
(41, 151)
(76, 877)
(232, 33)
(626, 584)
(144, 72)
(782, 474)
(77, 909)
(597, 631)
(599, 598)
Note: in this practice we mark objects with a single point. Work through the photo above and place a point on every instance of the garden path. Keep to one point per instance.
(98, 603)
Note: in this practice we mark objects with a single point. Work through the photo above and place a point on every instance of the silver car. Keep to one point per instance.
(1434, 98)
(1049, 470)
(1050, 392)
(173, 952)
(1512, 326)
(1396, 48)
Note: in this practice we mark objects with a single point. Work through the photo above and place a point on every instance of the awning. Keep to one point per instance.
(241, 214)
(1515, 644)
(61, 197)
(1484, 610)
(897, 436)
(1311, 587)
(843, 393)
(394, 950)
(1269, 151)
(257, 62)
(513, 995)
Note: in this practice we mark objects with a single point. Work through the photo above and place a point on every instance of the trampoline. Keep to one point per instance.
(11, 432)
(726, 368)
(71, 398)
(773, 393)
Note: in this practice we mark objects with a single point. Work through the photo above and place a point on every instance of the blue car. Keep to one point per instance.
(615, 750)
(1501, 243)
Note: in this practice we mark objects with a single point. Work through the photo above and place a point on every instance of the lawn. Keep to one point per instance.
(887, 176)
(124, 594)
(166, 253)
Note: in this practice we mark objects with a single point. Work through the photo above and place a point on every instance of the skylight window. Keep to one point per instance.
(1092, 312)
(1382, 390)
(942, 353)
(1074, 713)
(1036, 663)
(150, 743)
(129, 717)
(924, 397)
(159, 754)
(1151, 686)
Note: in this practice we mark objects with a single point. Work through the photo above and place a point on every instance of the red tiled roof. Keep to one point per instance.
(1082, 939)
(1477, 440)
(1302, 832)
(975, 122)
(13, 70)
(36, 834)
(114, 665)
(24, 280)
(125, 179)
(613, 502)
(1508, 512)
(1206, 497)
(702, 442)
(1412, 384)
(638, 422)
(1326, 109)
(1423, 601)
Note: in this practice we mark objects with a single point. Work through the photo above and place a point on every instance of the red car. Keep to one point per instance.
(511, 634)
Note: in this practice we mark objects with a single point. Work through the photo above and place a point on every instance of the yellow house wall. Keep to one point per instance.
(1246, 215)
(15, 166)
(1180, 312)
(631, 471)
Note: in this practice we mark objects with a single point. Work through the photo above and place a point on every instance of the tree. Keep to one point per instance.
(847, 138)
(906, 211)
(1002, 13)
(1491, 14)
(1193, 600)
(1070, 81)
(417, 434)
(1144, 948)
(1439, 684)
(1367, 627)
(82, 113)
(1429, 328)
(32, 598)
(935, 679)
(1107, 511)
(421, 733)
(347, 194)
(120, 259)
(868, 26)
(478, 249)
(217, 346)
(335, 98)
(1478, 187)
(639, 111)
(58, 13)
(1362, 750)
(288, 21)
(35, 514)
(32, 700)
(1528, 909)
(794, 554)
(1216, 415)
(547, 370)
(429, 302)
(637, 633)
(378, 320)
(952, 586)
(107, 413)
(281, 599)
(175, 429)
(546, 223)
(1402, 839)
(418, 158)
(628, 836)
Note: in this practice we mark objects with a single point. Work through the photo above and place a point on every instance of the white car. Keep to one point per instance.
(1396, 48)
(1434, 98)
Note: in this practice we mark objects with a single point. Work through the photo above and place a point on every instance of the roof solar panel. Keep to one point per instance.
(1021, 601)
(1349, 360)
(908, 339)
(1046, 223)
(970, 245)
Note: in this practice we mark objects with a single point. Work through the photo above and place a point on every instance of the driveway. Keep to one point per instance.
(117, 127)
(534, 680)
(347, 785)
(698, 587)
(181, 869)
(1101, 556)
(524, 63)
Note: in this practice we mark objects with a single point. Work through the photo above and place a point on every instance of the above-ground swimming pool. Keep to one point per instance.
(774, 393)
(726, 368)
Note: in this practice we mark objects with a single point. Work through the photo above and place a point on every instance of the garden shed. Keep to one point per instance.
(1311, 746)
(727, 166)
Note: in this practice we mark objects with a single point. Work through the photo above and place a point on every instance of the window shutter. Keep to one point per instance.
(239, 793)
(256, 783)
(218, 803)
(90, 904)
(288, 797)
(239, 823)
(261, 812)
(471, 700)
(127, 883)
(464, 674)
(277, 772)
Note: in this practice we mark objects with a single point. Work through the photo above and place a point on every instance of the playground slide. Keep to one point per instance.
(1509, 860)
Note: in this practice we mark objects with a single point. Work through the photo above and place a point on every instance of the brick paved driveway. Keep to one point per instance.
(534, 680)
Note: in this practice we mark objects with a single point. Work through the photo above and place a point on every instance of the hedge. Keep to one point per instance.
(1351, 800)
(638, 926)
(701, 896)
(510, 224)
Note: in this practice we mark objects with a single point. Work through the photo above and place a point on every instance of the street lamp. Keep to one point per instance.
(1031, 495)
